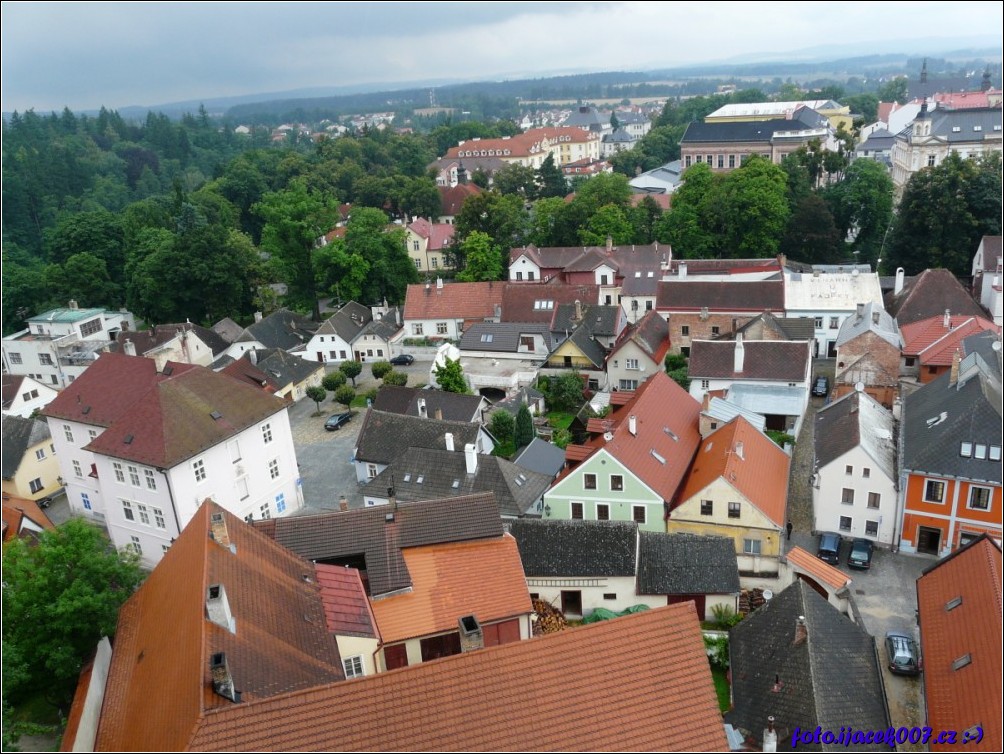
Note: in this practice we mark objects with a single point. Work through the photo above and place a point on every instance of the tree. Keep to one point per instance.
(334, 380)
(524, 432)
(752, 209)
(380, 368)
(517, 179)
(607, 222)
(502, 426)
(450, 376)
(84, 278)
(677, 369)
(317, 393)
(894, 90)
(345, 395)
(550, 180)
(395, 378)
(351, 369)
(566, 392)
(367, 237)
(59, 598)
(811, 235)
(862, 207)
(483, 259)
(503, 218)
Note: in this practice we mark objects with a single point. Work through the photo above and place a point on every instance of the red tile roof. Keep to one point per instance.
(16, 510)
(970, 695)
(453, 198)
(476, 301)
(616, 681)
(450, 580)
(346, 606)
(520, 299)
(817, 569)
(520, 145)
(11, 388)
(159, 691)
(758, 469)
(244, 371)
(936, 344)
(174, 420)
(438, 235)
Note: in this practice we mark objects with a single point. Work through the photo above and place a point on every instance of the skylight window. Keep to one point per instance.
(421, 478)
(637, 274)
(651, 274)
(995, 452)
(407, 477)
(487, 337)
(961, 662)
(670, 432)
(966, 450)
(658, 457)
(456, 483)
(980, 451)
(952, 604)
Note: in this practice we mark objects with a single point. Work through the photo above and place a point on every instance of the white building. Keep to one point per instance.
(22, 395)
(854, 486)
(58, 345)
(829, 295)
(987, 277)
(141, 449)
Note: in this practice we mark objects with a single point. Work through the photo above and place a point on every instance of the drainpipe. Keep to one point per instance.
(170, 495)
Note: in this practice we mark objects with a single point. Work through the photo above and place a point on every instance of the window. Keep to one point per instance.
(78, 470)
(845, 523)
(866, 472)
(751, 547)
(144, 513)
(119, 473)
(995, 452)
(874, 499)
(685, 351)
(686, 161)
(242, 488)
(721, 161)
(577, 511)
(631, 363)
(628, 385)
(529, 276)
(435, 263)
(705, 384)
(871, 528)
(847, 496)
(45, 359)
(414, 246)
(68, 432)
(441, 328)
(848, 470)
(151, 480)
(934, 491)
(930, 161)
(834, 323)
(133, 476)
(707, 507)
(135, 545)
(353, 666)
(92, 434)
(732, 160)
(15, 358)
(416, 329)
(819, 323)
(418, 264)
(609, 595)
(158, 518)
(199, 469)
(280, 502)
(909, 361)
(638, 514)
(616, 482)
(235, 447)
(266, 433)
(603, 280)
(35, 485)
(685, 330)
(273, 468)
(715, 330)
(979, 498)
(85, 500)
(371, 470)
(90, 328)
(589, 481)
(40, 454)
(709, 159)
(602, 512)
(265, 509)
(980, 451)
(734, 510)
(127, 511)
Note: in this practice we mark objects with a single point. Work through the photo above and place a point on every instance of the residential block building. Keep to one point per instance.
(30, 467)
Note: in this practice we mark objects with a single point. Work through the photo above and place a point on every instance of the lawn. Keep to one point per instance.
(560, 419)
(721, 688)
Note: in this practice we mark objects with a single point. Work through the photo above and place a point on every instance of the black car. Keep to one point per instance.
(335, 421)
(904, 659)
(861, 554)
(821, 386)
(829, 548)
(403, 360)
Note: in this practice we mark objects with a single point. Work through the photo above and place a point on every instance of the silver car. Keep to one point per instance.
(904, 657)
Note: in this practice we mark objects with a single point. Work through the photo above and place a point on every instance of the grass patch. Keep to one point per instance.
(721, 688)
(359, 401)
(505, 450)
(560, 419)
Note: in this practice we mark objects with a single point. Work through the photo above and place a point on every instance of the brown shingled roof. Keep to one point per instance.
(618, 679)
(929, 294)
(817, 569)
(721, 296)
(519, 300)
(764, 360)
(346, 606)
(453, 301)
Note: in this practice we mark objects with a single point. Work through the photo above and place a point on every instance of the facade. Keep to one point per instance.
(58, 345)
(950, 463)
(868, 352)
(854, 486)
(140, 449)
(639, 352)
(332, 341)
(988, 275)
(828, 296)
(564, 143)
(441, 311)
(429, 245)
(23, 396)
(30, 467)
(737, 488)
(182, 343)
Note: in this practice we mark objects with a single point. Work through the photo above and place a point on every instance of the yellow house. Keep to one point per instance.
(30, 468)
(738, 488)
(429, 245)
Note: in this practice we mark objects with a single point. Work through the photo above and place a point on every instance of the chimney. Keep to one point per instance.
(257, 316)
(633, 425)
(578, 310)
(875, 318)
(428, 287)
(956, 360)
(948, 319)
(392, 502)
(129, 347)
(739, 451)
(439, 285)
(682, 272)
(740, 354)
(422, 410)
(770, 736)
(223, 681)
(471, 457)
(610, 243)
(471, 635)
(343, 504)
(253, 356)
(218, 529)
(449, 442)
(218, 608)
(801, 632)
(861, 312)
(73, 304)
(438, 413)
(900, 278)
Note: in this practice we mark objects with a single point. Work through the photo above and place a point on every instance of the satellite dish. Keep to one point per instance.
(768, 595)
(859, 386)
(608, 436)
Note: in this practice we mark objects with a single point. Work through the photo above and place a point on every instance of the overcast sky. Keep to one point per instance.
(84, 55)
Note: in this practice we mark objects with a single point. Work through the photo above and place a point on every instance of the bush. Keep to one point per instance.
(781, 438)
(333, 381)
(380, 368)
(718, 651)
(395, 378)
(344, 395)
(371, 394)
(725, 616)
(502, 426)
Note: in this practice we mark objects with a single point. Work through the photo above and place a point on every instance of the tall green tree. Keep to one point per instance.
(862, 207)
(607, 222)
(484, 260)
(811, 235)
(450, 376)
(368, 237)
(753, 209)
(351, 369)
(550, 180)
(502, 217)
(503, 426)
(317, 394)
(524, 432)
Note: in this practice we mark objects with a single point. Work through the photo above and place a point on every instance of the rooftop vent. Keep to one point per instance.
(223, 681)
(128, 439)
(952, 604)
(218, 608)
(168, 371)
(471, 635)
(961, 662)
(218, 529)
(216, 415)
(85, 410)
(658, 457)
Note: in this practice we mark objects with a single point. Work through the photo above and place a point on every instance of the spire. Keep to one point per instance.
(923, 72)
(985, 84)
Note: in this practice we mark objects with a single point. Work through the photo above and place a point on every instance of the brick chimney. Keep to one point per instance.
(439, 413)
(422, 410)
(343, 504)
(218, 529)
(801, 632)
(223, 680)
(956, 361)
(471, 635)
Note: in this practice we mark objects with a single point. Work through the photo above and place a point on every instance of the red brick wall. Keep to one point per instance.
(700, 328)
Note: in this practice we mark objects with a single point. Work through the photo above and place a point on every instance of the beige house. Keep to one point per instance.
(30, 468)
(428, 244)
(564, 144)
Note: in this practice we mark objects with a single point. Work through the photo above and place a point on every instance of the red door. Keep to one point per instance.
(395, 656)
(697, 599)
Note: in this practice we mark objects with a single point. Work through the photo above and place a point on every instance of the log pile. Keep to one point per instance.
(750, 600)
(549, 619)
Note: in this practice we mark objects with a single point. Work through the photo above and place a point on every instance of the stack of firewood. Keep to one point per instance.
(549, 618)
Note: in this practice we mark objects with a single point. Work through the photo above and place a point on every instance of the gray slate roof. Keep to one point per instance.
(784, 328)
(870, 318)
(940, 416)
(831, 679)
(744, 131)
(542, 457)
(281, 329)
(283, 367)
(523, 397)
(443, 473)
(649, 333)
(686, 564)
(227, 329)
(974, 124)
(19, 434)
(928, 295)
(853, 420)
(408, 400)
(385, 327)
(599, 320)
(347, 321)
(504, 336)
(385, 437)
(341, 536)
(591, 349)
(575, 549)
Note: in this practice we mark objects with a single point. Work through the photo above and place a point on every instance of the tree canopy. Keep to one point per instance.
(450, 376)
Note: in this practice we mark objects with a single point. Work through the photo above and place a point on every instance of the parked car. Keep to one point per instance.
(860, 555)
(821, 387)
(403, 360)
(829, 548)
(335, 421)
(904, 658)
